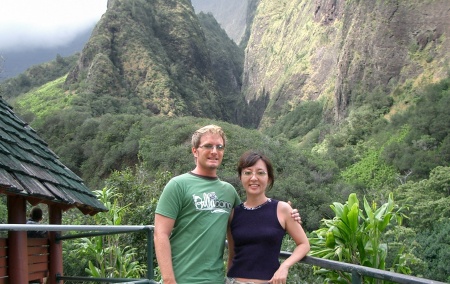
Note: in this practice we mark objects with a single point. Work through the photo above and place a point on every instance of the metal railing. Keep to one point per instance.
(94, 230)
(357, 271)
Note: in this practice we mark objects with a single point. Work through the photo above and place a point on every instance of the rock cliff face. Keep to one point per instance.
(335, 50)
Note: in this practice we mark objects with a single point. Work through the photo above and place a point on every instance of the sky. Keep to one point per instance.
(28, 24)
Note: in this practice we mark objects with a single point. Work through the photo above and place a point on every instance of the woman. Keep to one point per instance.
(257, 227)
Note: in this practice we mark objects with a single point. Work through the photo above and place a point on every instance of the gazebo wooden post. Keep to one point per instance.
(17, 241)
(56, 256)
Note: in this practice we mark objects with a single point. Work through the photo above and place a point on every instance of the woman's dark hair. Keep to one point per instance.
(250, 158)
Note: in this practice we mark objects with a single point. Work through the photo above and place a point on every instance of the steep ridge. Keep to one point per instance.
(155, 51)
(335, 50)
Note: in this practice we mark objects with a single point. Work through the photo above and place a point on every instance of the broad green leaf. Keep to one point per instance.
(368, 209)
(344, 230)
(381, 212)
(344, 214)
(353, 218)
(361, 249)
(338, 208)
(330, 241)
(387, 219)
(391, 203)
(352, 199)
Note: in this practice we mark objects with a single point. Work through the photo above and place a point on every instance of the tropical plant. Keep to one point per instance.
(355, 236)
(108, 258)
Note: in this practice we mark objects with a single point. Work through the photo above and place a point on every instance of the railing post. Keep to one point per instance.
(56, 251)
(356, 277)
(17, 241)
(150, 274)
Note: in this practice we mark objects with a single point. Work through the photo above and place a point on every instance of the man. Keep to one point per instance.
(192, 216)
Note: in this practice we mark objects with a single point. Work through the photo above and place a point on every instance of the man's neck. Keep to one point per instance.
(204, 172)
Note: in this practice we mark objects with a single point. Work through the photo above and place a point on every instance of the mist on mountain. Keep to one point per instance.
(16, 62)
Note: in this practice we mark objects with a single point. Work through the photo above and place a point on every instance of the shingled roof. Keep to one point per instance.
(30, 169)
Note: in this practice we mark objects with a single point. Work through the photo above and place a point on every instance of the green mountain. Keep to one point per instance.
(155, 52)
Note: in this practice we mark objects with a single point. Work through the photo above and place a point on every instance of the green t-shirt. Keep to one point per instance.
(201, 207)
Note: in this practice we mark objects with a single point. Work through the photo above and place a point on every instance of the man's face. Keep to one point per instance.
(209, 154)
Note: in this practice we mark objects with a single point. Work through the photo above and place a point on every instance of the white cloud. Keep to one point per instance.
(46, 23)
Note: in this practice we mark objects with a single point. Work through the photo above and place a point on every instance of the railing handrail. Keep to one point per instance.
(362, 270)
(101, 228)
(357, 271)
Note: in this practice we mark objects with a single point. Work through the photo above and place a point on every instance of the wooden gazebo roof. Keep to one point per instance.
(30, 169)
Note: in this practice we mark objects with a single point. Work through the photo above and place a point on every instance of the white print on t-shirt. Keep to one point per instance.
(211, 202)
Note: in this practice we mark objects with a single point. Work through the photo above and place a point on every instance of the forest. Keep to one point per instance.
(132, 156)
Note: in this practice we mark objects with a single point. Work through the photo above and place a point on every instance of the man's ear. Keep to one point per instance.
(195, 152)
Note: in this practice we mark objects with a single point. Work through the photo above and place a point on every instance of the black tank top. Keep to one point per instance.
(257, 236)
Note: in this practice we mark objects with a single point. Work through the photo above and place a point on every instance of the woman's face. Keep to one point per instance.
(254, 179)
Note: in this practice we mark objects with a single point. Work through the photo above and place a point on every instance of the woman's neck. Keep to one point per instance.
(253, 201)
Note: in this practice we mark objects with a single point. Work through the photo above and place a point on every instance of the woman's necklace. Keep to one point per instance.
(256, 207)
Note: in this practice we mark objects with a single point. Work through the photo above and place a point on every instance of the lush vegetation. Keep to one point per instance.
(356, 236)
(136, 154)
